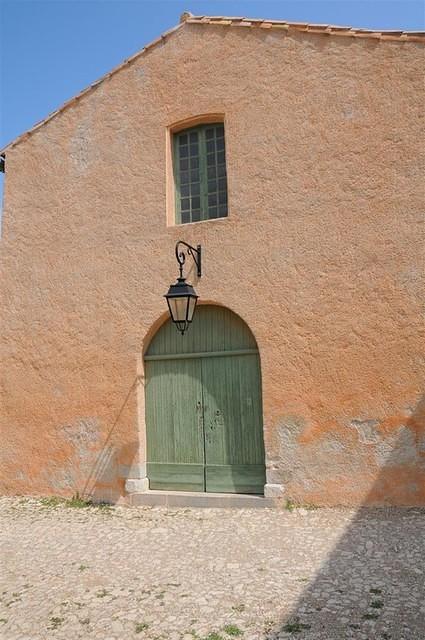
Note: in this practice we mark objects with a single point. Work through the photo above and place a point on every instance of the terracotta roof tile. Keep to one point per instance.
(414, 36)
(253, 23)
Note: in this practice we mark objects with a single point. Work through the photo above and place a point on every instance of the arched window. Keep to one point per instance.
(199, 164)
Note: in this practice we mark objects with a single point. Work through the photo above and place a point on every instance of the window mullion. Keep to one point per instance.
(203, 173)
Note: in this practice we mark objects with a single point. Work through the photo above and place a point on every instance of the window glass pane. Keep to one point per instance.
(196, 202)
(222, 210)
(195, 188)
(183, 139)
(194, 136)
(221, 170)
(185, 216)
(212, 212)
(210, 146)
(212, 185)
(219, 131)
(193, 149)
(212, 199)
(194, 175)
(194, 163)
(222, 197)
(220, 143)
(184, 152)
(185, 203)
(209, 134)
(196, 215)
(184, 177)
(220, 157)
(210, 159)
(184, 164)
(184, 190)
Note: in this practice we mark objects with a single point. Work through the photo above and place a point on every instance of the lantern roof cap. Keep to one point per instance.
(181, 288)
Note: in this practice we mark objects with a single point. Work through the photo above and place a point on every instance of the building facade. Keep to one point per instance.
(291, 154)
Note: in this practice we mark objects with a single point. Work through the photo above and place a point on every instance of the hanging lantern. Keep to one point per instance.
(181, 296)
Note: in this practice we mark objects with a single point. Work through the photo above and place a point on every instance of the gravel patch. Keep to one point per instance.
(187, 574)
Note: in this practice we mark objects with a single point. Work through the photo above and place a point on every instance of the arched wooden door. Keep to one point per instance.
(203, 406)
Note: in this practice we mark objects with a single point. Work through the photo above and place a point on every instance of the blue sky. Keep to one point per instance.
(51, 49)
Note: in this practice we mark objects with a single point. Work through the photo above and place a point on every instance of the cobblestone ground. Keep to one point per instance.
(186, 574)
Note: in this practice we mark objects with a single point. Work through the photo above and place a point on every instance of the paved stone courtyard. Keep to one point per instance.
(185, 574)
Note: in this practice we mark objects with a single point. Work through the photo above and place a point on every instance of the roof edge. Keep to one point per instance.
(326, 29)
(189, 18)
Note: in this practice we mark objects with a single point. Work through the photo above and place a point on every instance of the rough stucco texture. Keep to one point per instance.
(322, 256)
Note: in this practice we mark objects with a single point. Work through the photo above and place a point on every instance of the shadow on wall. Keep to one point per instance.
(105, 480)
(372, 584)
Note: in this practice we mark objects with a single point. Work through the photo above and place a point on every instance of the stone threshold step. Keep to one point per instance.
(155, 498)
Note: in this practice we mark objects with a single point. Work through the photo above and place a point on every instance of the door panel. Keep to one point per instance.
(176, 477)
(175, 443)
(234, 478)
(212, 329)
(234, 449)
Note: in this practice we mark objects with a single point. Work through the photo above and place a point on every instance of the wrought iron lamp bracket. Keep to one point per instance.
(190, 251)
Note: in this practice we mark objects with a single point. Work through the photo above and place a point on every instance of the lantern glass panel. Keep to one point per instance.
(191, 309)
(178, 308)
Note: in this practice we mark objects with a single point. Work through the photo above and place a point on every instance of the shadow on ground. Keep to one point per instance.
(372, 585)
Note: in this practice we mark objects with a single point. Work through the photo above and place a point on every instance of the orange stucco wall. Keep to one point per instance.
(322, 255)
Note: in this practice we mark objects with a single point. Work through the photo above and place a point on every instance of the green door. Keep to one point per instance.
(175, 431)
(234, 450)
(203, 406)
